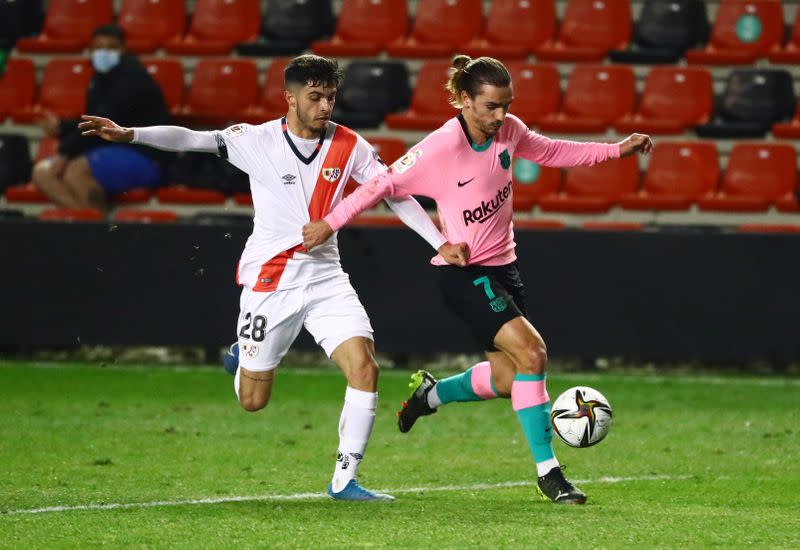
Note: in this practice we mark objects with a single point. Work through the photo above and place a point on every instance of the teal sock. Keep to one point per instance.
(532, 405)
(457, 388)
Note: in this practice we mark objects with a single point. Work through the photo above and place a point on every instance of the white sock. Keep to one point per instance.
(236, 383)
(433, 398)
(543, 468)
(355, 427)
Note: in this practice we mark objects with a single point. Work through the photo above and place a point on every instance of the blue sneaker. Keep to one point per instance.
(354, 491)
(231, 360)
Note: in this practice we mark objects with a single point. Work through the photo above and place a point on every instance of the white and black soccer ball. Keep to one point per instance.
(581, 416)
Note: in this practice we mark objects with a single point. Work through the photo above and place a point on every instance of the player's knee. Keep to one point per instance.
(364, 374)
(534, 358)
(252, 402)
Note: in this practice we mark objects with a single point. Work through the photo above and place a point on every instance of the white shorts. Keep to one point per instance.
(270, 321)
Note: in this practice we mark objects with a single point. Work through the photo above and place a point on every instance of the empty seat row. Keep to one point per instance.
(758, 175)
(743, 30)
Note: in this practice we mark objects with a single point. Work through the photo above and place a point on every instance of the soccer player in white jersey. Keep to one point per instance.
(298, 168)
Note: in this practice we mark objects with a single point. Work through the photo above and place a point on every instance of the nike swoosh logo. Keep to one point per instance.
(463, 183)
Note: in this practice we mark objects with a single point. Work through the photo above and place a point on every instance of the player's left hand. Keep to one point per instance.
(635, 143)
(455, 254)
(316, 233)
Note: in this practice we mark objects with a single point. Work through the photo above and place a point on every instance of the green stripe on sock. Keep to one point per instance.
(457, 388)
(536, 425)
(529, 377)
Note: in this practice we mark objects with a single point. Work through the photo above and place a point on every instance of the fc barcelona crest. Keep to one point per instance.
(505, 159)
(331, 174)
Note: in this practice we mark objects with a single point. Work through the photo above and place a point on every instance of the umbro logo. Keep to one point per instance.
(288, 179)
(463, 183)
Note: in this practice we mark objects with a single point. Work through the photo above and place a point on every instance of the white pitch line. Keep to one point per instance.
(315, 496)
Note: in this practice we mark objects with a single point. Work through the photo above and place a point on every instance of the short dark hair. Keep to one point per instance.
(313, 70)
(110, 30)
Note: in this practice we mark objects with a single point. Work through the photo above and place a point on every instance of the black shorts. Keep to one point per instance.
(484, 297)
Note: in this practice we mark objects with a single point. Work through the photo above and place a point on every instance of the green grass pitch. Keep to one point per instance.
(690, 462)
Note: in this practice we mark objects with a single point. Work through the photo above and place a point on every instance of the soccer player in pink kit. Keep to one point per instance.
(465, 166)
(298, 168)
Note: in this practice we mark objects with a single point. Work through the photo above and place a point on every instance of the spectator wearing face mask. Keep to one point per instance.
(87, 171)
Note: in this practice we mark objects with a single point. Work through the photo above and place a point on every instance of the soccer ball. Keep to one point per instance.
(581, 416)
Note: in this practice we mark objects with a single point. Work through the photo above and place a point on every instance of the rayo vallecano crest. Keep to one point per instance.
(331, 174)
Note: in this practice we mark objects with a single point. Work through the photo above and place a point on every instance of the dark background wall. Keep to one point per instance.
(662, 296)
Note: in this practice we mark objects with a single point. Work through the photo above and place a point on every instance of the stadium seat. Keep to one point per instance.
(532, 182)
(180, 194)
(168, 74)
(28, 192)
(217, 26)
(388, 148)
(743, 31)
(62, 91)
(753, 101)
(136, 215)
(757, 175)
(272, 103)
(429, 102)
(440, 28)
(790, 129)
(222, 91)
(674, 98)
(243, 199)
(664, 31)
(370, 91)
(590, 29)
(18, 19)
(596, 96)
(71, 215)
(15, 160)
(68, 26)
(365, 28)
(788, 53)
(289, 26)
(538, 223)
(17, 87)
(149, 24)
(537, 90)
(514, 29)
(612, 226)
(678, 174)
(768, 228)
(594, 189)
(133, 196)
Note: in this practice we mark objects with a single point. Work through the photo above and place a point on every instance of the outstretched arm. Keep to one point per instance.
(167, 138)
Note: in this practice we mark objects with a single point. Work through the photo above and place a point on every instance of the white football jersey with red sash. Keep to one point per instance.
(290, 189)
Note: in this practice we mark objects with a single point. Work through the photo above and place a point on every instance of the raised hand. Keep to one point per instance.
(455, 254)
(105, 128)
(635, 143)
(316, 233)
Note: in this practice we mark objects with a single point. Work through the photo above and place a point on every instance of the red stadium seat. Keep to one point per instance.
(678, 174)
(273, 103)
(376, 220)
(532, 182)
(133, 196)
(673, 99)
(612, 226)
(539, 223)
(222, 90)
(17, 87)
(537, 90)
(789, 53)
(168, 74)
(180, 194)
(243, 199)
(790, 129)
(441, 27)
(743, 31)
(594, 189)
(71, 215)
(68, 26)
(365, 28)
(590, 29)
(389, 149)
(149, 24)
(62, 91)
(758, 174)
(136, 215)
(596, 96)
(217, 26)
(429, 103)
(29, 192)
(514, 29)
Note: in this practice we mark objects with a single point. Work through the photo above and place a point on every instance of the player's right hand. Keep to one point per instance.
(105, 128)
(455, 254)
(316, 233)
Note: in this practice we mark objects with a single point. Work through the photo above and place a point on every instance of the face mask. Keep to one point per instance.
(105, 60)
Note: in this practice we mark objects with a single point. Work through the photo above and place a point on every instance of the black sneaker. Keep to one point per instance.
(554, 486)
(417, 404)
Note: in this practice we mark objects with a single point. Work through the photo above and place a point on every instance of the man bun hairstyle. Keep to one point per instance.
(468, 75)
(312, 70)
